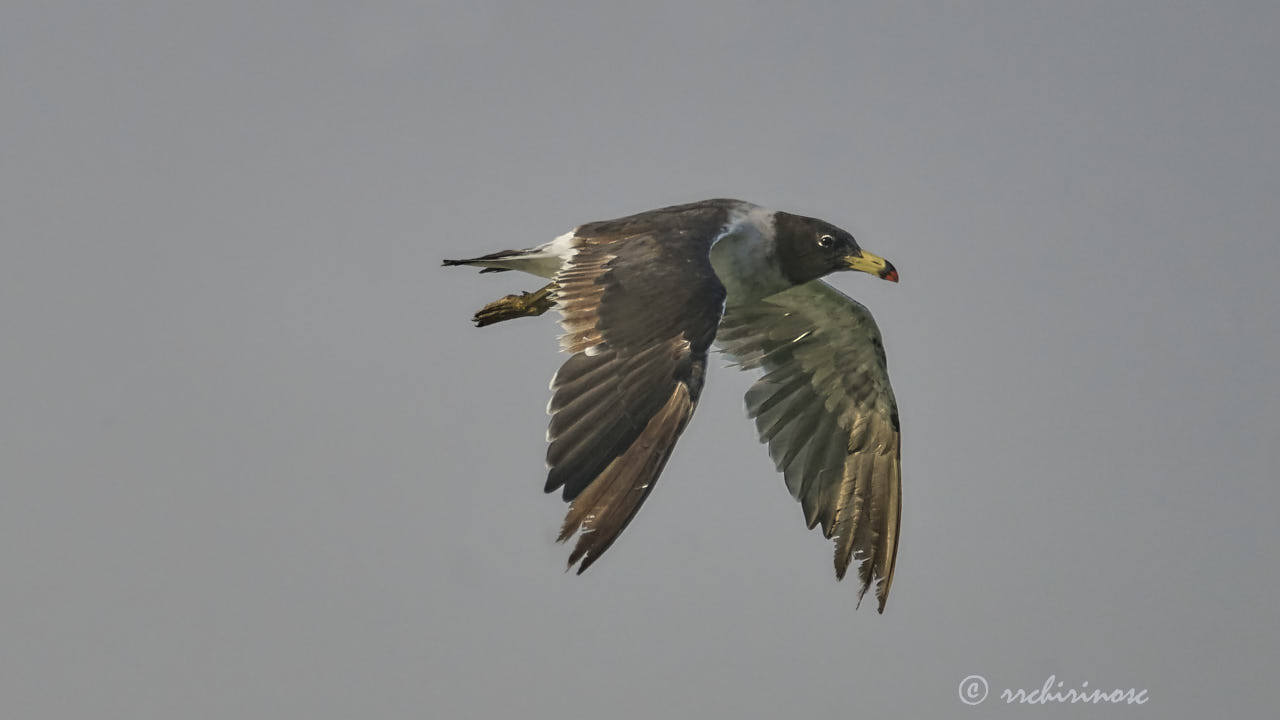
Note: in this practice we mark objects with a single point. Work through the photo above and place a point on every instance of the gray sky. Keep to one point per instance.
(257, 463)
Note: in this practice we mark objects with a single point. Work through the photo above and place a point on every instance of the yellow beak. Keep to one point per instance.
(873, 264)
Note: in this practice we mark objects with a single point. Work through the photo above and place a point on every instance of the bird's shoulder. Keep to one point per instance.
(704, 219)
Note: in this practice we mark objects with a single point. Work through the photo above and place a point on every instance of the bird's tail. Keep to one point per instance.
(493, 262)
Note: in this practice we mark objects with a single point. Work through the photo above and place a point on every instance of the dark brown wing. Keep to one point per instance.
(640, 310)
(825, 407)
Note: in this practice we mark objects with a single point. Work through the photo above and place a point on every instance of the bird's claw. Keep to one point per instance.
(515, 306)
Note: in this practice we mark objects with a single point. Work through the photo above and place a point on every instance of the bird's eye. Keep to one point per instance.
(826, 241)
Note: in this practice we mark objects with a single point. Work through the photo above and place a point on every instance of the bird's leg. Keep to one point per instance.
(515, 306)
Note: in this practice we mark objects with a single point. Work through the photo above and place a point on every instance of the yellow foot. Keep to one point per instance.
(515, 306)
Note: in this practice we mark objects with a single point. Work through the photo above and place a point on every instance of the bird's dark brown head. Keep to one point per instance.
(809, 248)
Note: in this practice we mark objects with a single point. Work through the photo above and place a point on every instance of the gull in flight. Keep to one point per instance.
(642, 299)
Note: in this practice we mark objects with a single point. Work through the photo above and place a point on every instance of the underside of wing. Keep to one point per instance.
(639, 313)
(826, 410)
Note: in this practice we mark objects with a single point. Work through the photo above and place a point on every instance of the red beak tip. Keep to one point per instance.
(891, 276)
